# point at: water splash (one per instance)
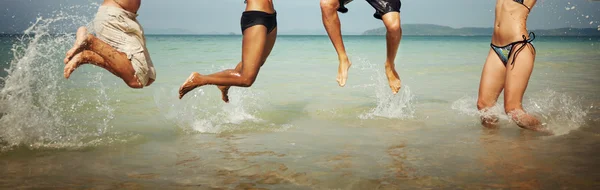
(559, 112)
(398, 106)
(206, 113)
(467, 106)
(41, 109)
(580, 14)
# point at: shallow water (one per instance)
(295, 128)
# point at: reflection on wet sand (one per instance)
(397, 167)
(510, 161)
(241, 172)
(375, 158)
(268, 169)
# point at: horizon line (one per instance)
(325, 35)
(317, 34)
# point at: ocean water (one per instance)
(294, 128)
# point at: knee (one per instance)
(394, 28)
(330, 5)
(247, 81)
(134, 84)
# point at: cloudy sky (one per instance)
(303, 16)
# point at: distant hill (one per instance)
(569, 32)
(437, 30)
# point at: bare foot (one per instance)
(190, 84)
(80, 42)
(393, 78)
(490, 121)
(343, 72)
(224, 93)
(72, 65)
(527, 121)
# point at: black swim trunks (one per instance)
(252, 18)
(382, 7)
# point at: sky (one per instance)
(303, 16)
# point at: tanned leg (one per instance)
(253, 48)
(270, 44)
(225, 89)
(112, 60)
(394, 35)
(490, 87)
(517, 79)
(331, 21)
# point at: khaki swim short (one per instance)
(120, 29)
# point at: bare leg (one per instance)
(517, 78)
(238, 68)
(490, 86)
(90, 57)
(331, 21)
(114, 61)
(225, 89)
(256, 46)
(394, 35)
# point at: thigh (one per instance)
(270, 43)
(392, 19)
(492, 79)
(253, 49)
(517, 75)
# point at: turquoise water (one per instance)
(295, 128)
